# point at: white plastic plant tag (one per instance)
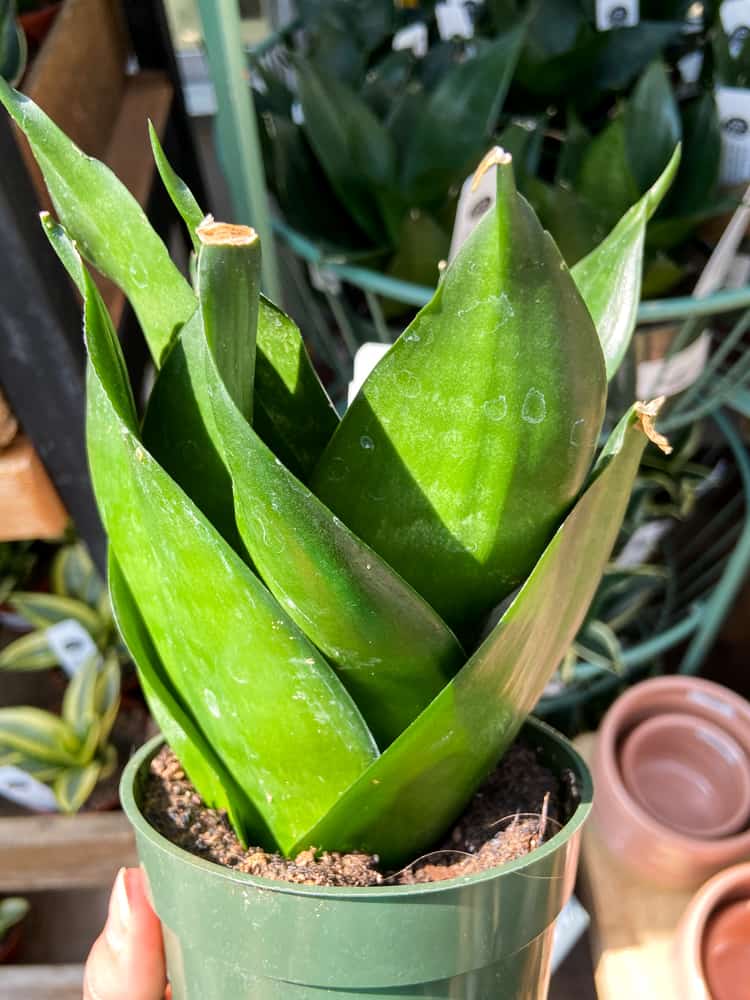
(569, 926)
(617, 14)
(21, 788)
(323, 279)
(690, 66)
(413, 37)
(365, 360)
(298, 115)
(735, 20)
(668, 376)
(472, 206)
(642, 543)
(71, 644)
(454, 20)
(734, 114)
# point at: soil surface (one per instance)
(520, 805)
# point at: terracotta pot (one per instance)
(688, 774)
(650, 849)
(712, 942)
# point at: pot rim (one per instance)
(611, 729)
(720, 740)
(143, 828)
(687, 948)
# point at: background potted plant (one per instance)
(13, 911)
(306, 598)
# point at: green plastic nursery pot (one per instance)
(232, 936)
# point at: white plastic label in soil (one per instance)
(365, 360)
(413, 37)
(617, 14)
(454, 20)
(734, 114)
(472, 206)
(71, 644)
(735, 20)
(21, 788)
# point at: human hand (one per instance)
(127, 959)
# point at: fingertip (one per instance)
(127, 959)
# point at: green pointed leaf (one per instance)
(29, 652)
(177, 431)
(73, 787)
(410, 795)
(178, 427)
(79, 701)
(441, 463)
(39, 734)
(182, 197)
(609, 278)
(108, 224)
(204, 766)
(13, 48)
(293, 413)
(576, 140)
(422, 244)
(43, 610)
(90, 742)
(39, 769)
(391, 650)
(458, 120)
(605, 178)
(13, 909)
(107, 696)
(652, 126)
(248, 654)
(228, 290)
(574, 223)
(355, 150)
(291, 410)
(73, 574)
(698, 177)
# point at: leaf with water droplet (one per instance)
(507, 358)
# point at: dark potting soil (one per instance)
(521, 804)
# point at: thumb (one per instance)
(127, 959)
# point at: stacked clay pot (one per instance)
(712, 943)
(672, 780)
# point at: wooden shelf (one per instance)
(41, 982)
(64, 852)
(632, 923)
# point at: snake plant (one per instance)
(366, 147)
(71, 752)
(13, 909)
(309, 600)
(76, 593)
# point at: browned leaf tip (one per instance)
(647, 414)
(495, 157)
